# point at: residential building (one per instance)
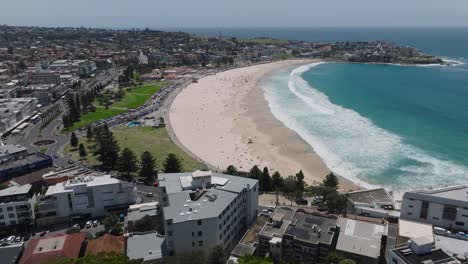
(297, 236)
(106, 243)
(17, 205)
(420, 250)
(14, 111)
(362, 241)
(10, 253)
(52, 249)
(64, 174)
(44, 77)
(203, 209)
(373, 203)
(444, 207)
(149, 247)
(144, 217)
(16, 161)
(84, 196)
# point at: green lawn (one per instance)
(263, 41)
(91, 117)
(139, 139)
(134, 98)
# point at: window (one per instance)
(13, 222)
(435, 218)
(450, 212)
(410, 213)
(169, 222)
(193, 244)
(193, 233)
(410, 206)
(1, 210)
(459, 223)
(424, 209)
(199, 222)
(11, 215)
(2, 217)
(9, 208)
(200, 243)
(464, 215)
(200, 233)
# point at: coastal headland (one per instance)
(217, 117)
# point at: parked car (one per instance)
(76, 226)
(150, 194)
(88, 224)
(301, 201)
(18, 239)
(95, 223)
(70, 162)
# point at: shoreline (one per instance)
(214, 119)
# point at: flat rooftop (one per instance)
(379, 195)
(88, 181)
(15, 190)
(410, 229)
(149, 246)
(9, 149)
(286, 215)
(72, 171)
(359, 237)
(27, 160)
(451, 245)
(435, 256)
(210, 203)
(312, 228)
(456, 195)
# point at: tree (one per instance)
(82, 151)
(112, 224)
(74, 140)
(66, 121)
(333, 258)
(290, 188)
(106, 147)
(252, 259)
(127, 163)
(266, 181)
(256, 173)
(89, 134)
(277, 182)
(231, 170)
(300, 182)
(172, 164)
(347, 261)
(331, 181)
(148, 167)
(192, 257)
(217, 255)
(336, 202)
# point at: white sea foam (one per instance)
(350, 144)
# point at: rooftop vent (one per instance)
(212, 197)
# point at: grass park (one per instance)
(134, 98)
(139, 139)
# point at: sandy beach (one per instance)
(215, 118)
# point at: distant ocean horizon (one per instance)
(402, 127)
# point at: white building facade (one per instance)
(205, 209)
(445, 207)
(90, 196)
(17, 205)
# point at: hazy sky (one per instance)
(235, 13)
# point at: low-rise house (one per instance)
(362, 241)
(106, 243)
(149, 247)
(84, 196)
(52, 249)
(144, 217)
(420, 250)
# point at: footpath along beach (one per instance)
(215, 118)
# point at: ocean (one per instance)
(402, 127)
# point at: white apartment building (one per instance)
(444, 207)
(85, 196)
(15, 110)
(204, 209)
(16, 205)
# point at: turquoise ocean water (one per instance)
(403, 127)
